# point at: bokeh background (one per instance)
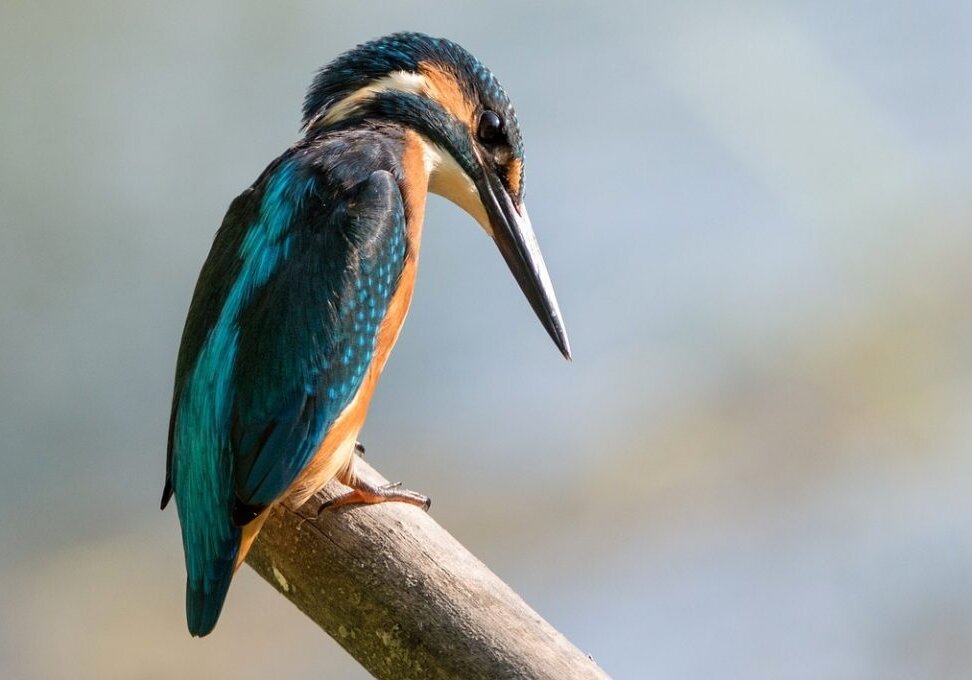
(758, 220)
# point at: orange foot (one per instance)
(365, 492)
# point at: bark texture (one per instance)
(404, 597)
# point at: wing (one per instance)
(249, 246)
(307, 337)
(221, 269)
(280, 332)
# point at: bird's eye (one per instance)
(490, 129)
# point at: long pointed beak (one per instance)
(515, 239)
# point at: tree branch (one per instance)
(404, 597)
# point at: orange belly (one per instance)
(334, 456)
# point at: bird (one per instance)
(308, 282)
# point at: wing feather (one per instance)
(308, 336)
(280, 332)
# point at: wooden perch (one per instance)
(404, 597)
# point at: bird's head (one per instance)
(472, 146)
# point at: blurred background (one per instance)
(758, 222)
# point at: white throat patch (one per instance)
(449, 180)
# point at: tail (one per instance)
(205, 596)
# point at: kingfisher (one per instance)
(308, 282)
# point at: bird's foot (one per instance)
(359, 449)
(368, 493)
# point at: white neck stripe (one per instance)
(397, 81)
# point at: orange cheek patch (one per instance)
(514, 176)
(443, 87)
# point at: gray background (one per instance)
(757, 465)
